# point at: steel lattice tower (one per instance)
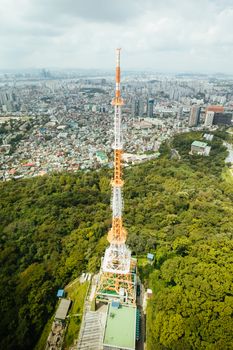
(117, 271)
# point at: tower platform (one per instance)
(120, 329)
(118, 286)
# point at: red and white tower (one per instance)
(117, 256)
(117, 271)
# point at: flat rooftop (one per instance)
(199, 144)
(120, 329)
(62, 309)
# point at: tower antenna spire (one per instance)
(117, 234)
(117, 264)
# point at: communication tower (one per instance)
(118, 269)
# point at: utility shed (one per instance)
(60, 293)
(62, 310)
(120, 329)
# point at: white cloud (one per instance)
(162, 35)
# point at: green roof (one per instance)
(101, 155)
(120, 330)
(199, 144)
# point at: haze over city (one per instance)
(168, 36)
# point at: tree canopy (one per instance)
(54, 227)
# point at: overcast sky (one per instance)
(163, 35)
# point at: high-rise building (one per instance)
(194, 117)
(137, 109)
(140, 107)
(209, 117)
(179, 116)
(150, 107)
(134, 108)
(222, 119)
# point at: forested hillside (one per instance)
(54, 227)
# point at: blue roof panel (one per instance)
(60, 293)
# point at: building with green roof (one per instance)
(199, 144)
(101, 157)
(120, 328)
(200, 148)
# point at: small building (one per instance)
(60, 293)
(150, 257)
(120, 328)
(149, 293)
(62, 310)
(208, 137)
(200, 148)
(101, 157)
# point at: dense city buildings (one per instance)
(54, 121)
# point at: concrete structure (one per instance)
(137, 109)
(200, 148)
(209, 118)
(92, 331)
(150, 108)
(208, 137)
(222, 119)
(62, 310)
(194, 117)
(120, 329)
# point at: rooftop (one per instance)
(199, 144)
(60, 293)
(120, 330)
(150, 256)
(62, 309)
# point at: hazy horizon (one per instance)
(162, 36)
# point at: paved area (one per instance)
(140, 345)
(93, 322)
(92, 331)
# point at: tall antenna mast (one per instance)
(117, 264)
(117, 256)
(117, 234)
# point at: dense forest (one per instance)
(54, 227)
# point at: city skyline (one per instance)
(170, 36)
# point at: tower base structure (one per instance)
(117, 279)
(117, 259)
